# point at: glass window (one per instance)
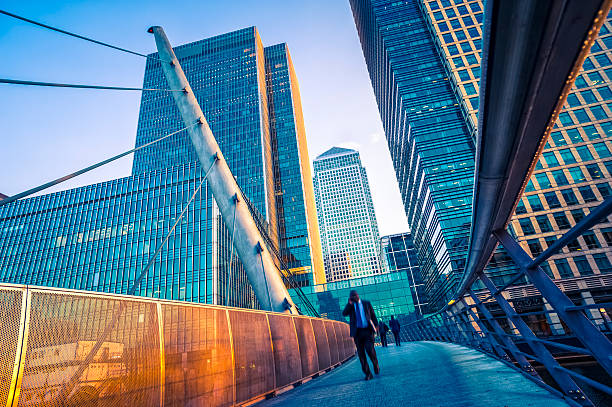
(466, 46)
(543, 180)
(594, 171)
(475, 7)
(605, 93)
(448, 38)
(520, 208)
(581, 115)
(598, 112)
(471, 59)
(602, 59)
(596, 78)
(434, 5)
(584, 153)
(558, 138)
(560, 177)
(565, 119)
(443, 27)
(588, 96)
(551, 159)
(473, 31)
(567, 156)
(607, 235)
(529, 187)
(544, 223)
(572, 100)
(591, 132)
(591, 240)
(458, 61)
(561, 219)
(563, 268)
(574, 135)
(535, 203)
(577, 214)
(587, 193)
(550, 240)
(583, 266)
(546, 267)
(475, 102)
(534, 246)
(460, 35)
(455, 22)
(588, 65)
(602, 150)
(580, 83)
(453, 50)
(604, 190)
(464, 75)
(527, 226)
(552, 199)
(603, 263)
(576, 174)
(569, 196)
(574, 246)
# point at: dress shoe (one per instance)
(369, 377)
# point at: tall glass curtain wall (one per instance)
(428, 138)
(100, 237)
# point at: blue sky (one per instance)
(46, 133)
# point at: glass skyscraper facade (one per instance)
(101, 236)
(428, 137)
(347, 221)
(400, 256)
(574, 172)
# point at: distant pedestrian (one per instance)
(382, 331)
(363, 326)
(395, 328)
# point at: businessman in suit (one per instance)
(363, 326)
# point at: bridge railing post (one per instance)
(542, 354)
(471, 320)
(493, 344)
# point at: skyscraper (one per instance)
(346, 215)
(99, 237)
(428, 137)
(574, 172)
(400, 256)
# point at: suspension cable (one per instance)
(59, 30)
(78, 86)
(84, 170)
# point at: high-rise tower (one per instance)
(428, 138)
(347, 221)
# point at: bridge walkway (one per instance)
(422, 374)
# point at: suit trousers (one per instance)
(364, 341)
(383, 339)
(397, 338)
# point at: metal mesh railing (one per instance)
(72, 348)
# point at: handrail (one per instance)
(156, 352)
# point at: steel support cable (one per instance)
(231, 258)
(69, 385)
(81, 37)
(78, 86)
(84, 170)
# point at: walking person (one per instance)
(363, 324)
(382, 331)
(395, 328)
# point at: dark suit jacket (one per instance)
(349, 311)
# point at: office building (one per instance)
(400, 256)
(349, 231)
(101, 236)
(428, 137)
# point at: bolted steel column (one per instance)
(493, 344)
(261, 271)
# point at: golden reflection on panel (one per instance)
(333, 344)
(83, 350)
(198, 357)
(10, 313)
(322, 343)
(252, 353)
(308, 346)
(86, 349)
(287, 361)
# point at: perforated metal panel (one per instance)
(322, 343)
(333, 344)
(10, 315)
(287, 361)
(87, 350)
(308, 346)
(198, 356)
(254, 362)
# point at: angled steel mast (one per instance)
(248, 241)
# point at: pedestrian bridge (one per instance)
(422, 374)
